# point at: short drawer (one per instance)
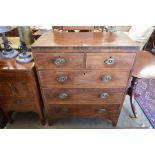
(84, 79)
(59, 60)
(110, 60)
(83, 96)
(58, 111)
(17, 104)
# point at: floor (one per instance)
(31, 121)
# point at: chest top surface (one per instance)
(85, 40)
(11, 64)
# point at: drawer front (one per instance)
(83, 96)
(84, 79)
(5, 89)
(14, 75)
(18, 104)
(110, 60)
(16, 88)
(59, 60)
(58, 111)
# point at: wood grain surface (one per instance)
(46, 60)
(122, 60)
(84, 78)
(83, 96)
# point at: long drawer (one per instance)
(18, 104)
(110, 60)
(59, 60)
(82, 96)
(84, 78)
(60, 111)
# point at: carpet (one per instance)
(144, 94)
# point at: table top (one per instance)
(11, 64)
(144, 65)
(60, 40)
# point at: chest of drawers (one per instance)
(84, 74)
(19, 90)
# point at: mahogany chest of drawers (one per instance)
(84, 74)
(19, 90)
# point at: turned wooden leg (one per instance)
(133, 107)
(130, 93)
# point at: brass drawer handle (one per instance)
(106, 78)
(102, 110)
(110, 61)
(18, 102)
(62, 78)
(60, 61)
(65, 110)
(104, 95)
(63, 96)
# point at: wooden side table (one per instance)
(19, 89)
(144, 69)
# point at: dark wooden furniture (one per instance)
(144, 69)
(80, 28)
(84, 74)
(77, 27)
(39, 33)
(19, 88)
(74, 27)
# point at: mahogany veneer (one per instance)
(84, 78)
(84, 74)
(89, 96)
(19, 89)
(44, 60)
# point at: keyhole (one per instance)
(84, 73)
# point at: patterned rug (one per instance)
(144, 94)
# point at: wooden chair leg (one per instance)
(130, 93)
(133, 107)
